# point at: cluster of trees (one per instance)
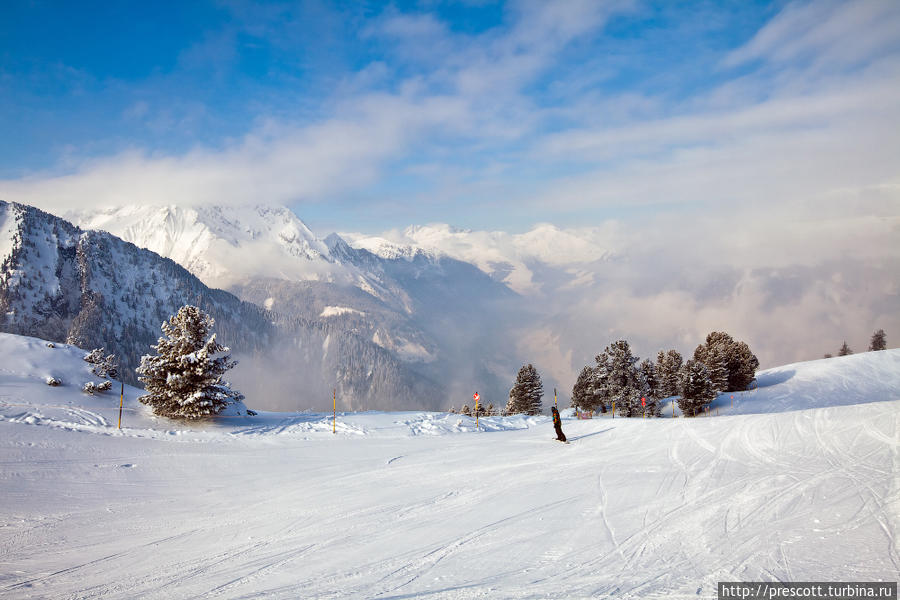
(103, 365)
(722, 364)
(878, 342)
(637, 388)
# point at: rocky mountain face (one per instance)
(92, 289)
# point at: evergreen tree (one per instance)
(696, 388)
(668, 365)
(104, 365)
(623, 382)
(742, 367)
(582, 392)
(525, 395)
(465, 410)
(845, 349)
(648, 370)
(599, 391)
(586, 393)
(879, 341)
(730, 364)
(713, 356)
(654, 407)
(185, 378)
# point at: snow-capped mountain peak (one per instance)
(214, 242)
(389, 250)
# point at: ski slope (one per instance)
(411, 505)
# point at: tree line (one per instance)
(878, 342)
(184, 380)
(637, 388)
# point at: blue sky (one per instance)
(365, 116)
(92, 81)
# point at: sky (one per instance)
(724, 142)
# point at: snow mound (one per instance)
(42, 383)
(840, 381)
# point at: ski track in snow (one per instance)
(645, 508)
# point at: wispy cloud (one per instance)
(828, 33)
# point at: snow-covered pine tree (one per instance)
(717, 368)
(465, 410)
(104, 365)
(526, 393)
(582, 396)
(879, 341)
(741, 368)
(845, 349)
(654, 406)
(648, 370)
(668, 364)
(731, 364)
(624, 382)
(184, 380)
(695, 387)
(600, 389)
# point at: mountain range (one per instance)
(413, 328)
(93, 289)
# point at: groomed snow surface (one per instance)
(423, 505)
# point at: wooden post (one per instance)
(614, 409)
(121, 402)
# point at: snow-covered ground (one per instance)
(408, 505)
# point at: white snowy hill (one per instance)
(404, 505)
(838, 381)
